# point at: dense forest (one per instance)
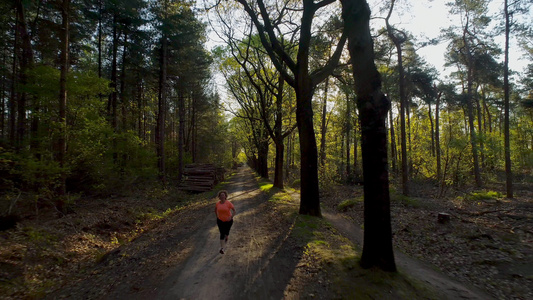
(98, 95)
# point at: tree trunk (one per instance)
(62, 139)
(309, 195)
(26, 63)
(373, 107)
(160, 126)
(481, 132)
(470, 108)
(112, 104)
(278, 135)
(262, 156)
(323, 127)
(181, 127)
(100, 12)
(355, 154)
(403, 101)
(348, 131)
(507, 142)
(4, 92)
(394, 152)
(437, 136)
(432, 129)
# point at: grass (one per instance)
(349, 203)
(405, 200)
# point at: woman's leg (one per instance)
(224, 232)
(221, 229)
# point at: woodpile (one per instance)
(200, 177)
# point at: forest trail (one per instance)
(180, 259)
(447, 287)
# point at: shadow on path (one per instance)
(447, 287)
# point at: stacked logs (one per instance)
(200, 177)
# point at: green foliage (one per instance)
(483, 195)
(265, 186)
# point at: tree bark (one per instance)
(398, 41)
(323, 127)
(26, 63)
(161, 111)
(348, 131)
(62, 139)
(373, 107)
(393, 143)
(12, 106)
(3, 99)
(181, 127)
(470, 107)
(507, 142)
(304, 84)
(437, 136)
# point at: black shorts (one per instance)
(224, 228)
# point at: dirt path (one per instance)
(446, 286)
(179, 259)
(206, 274)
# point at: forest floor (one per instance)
(154, 244)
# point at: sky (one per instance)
(427, 18)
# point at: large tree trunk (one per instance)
(262, 156)
(310, 201)
(507, 142)
(278, 135)
(373, 107)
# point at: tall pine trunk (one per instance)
(398, 41)
(437, 136)
(161, 110)
(470, 107)
(507, 142)
(323, 127)
(393, 144)
(181, 127)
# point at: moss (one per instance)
(349, 203)
(483, 195)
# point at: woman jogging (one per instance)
(225, 212)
